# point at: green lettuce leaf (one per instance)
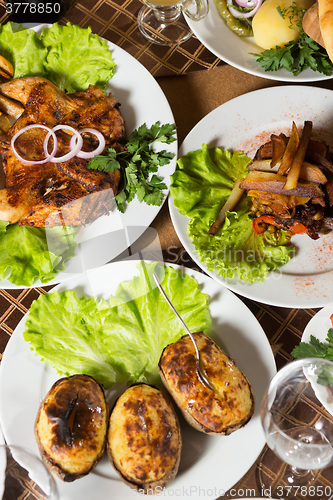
(69, 56)
(76, 58)
(200, 186)
(119, 340)
(29, 253)
(23, 49)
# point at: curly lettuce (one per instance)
(29, 253)
(76, 57)
(69, 56)
(200, 187)
(119, 340)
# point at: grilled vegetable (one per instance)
(218, 412)
(71, 426)
(144, 440)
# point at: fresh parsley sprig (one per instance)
(317, 349)
(295, 55)
(137, 162)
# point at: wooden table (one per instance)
(195, 82)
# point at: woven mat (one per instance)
(115, 20)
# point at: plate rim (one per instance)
(176, 217)
(269, 365)
(131, 237)
(269, 75)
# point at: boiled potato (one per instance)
(270, 28)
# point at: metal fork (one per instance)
(200, 368)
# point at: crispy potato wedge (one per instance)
(296, 165)
(9, 106)
(279, 144)
(309, 172)
(290, 151)
(144, 439)
(234, 198)
(71, 426)
(217, 412)
(6, 68)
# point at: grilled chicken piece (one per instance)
(64, 193)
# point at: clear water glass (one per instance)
(297, 418)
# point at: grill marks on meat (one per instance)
(58, 193)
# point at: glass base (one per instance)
(286, 481)
(162, 33)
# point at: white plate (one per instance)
(209, 465)
(142, 101)
(243, 124)
(318, 326)
(214, 34)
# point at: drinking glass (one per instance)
(296, 415)
(23, 475)
(162, 21)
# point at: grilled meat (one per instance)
(57, 193)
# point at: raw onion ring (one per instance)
(246, 3)
(48, 157)
(74, 149)
(243, 15)
(89, 154)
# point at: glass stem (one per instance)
(167, 15)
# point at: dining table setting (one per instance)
(203, 94)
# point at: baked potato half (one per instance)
(71, 426)
(144, 439)
(220, 411)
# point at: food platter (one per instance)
(210, 465)
(214, 34)
(243, 124)
(142, 101)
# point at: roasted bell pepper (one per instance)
(295, 227)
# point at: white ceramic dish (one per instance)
(142, 101)
(209, 465)
(243, 124)
(318, 326)
(214, 34)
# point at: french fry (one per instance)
(290, 151)
(309, 172)
(234, 198)
(294, 171)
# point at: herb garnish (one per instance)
(317, 349)
(295, 55)
(137, 162)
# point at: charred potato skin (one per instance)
(71, 426)
(144, 438)
(219, 412)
